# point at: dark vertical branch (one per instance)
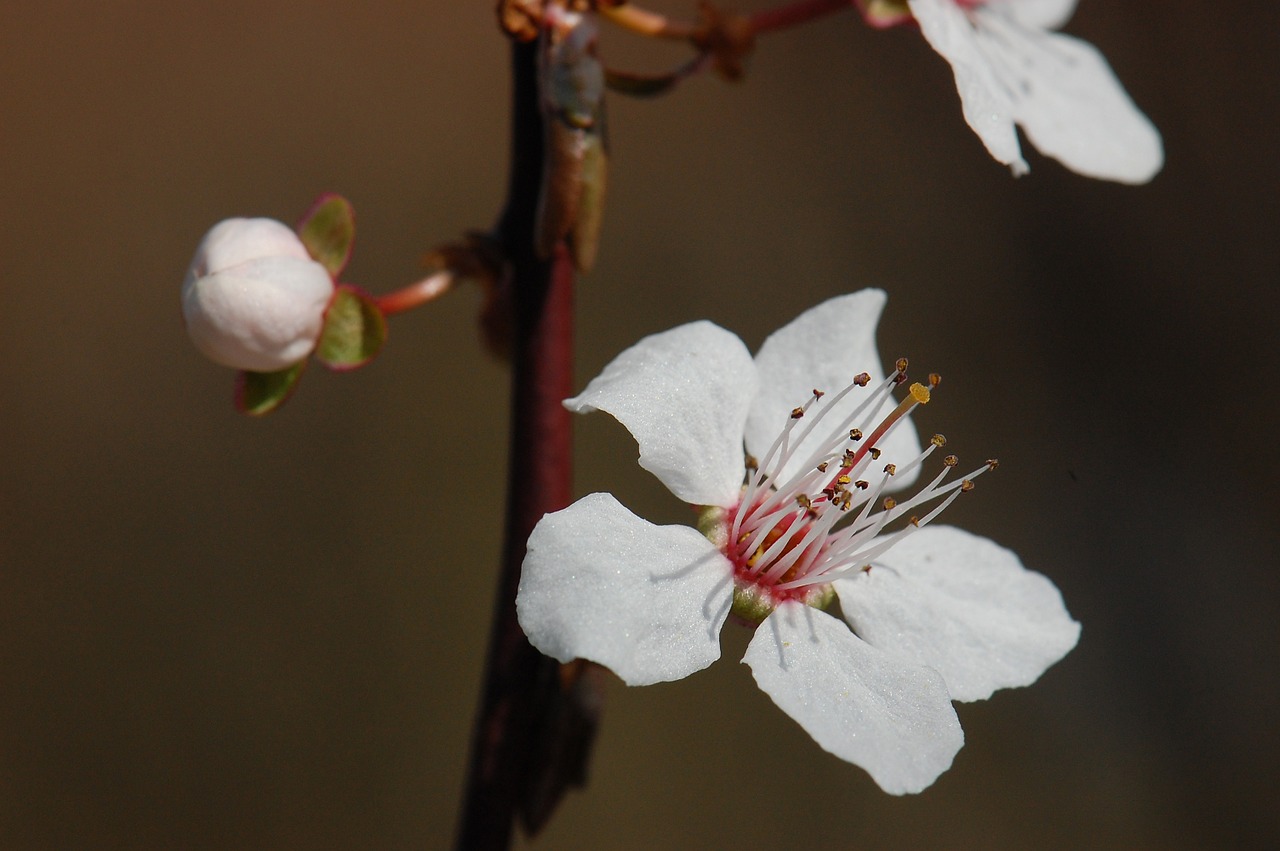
(531, 735)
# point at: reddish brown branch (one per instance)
(535, 724)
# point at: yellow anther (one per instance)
(939, 441)
(920, 393)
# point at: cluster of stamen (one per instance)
(789, 538)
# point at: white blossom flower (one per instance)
(253, 298)
(1010, 68)
(930, 614)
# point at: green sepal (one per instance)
(328, 230)
(354, 330)
(259, 393)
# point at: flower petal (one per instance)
(962, 605)
(684, 395)
(646, 601)
(1044, 14)
(1060, 90)
(1073, 108)
(871, 708)
(987, 105)
(824, 348)
(261, 315)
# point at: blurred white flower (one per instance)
(1011, 69)
(253, 298)
(931, 614)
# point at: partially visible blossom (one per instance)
(1010, 68)
(930, 614)
(253, 298)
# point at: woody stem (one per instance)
(533, 729)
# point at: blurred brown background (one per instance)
(224, 633)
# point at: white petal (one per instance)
(263, 314)
(985, 99)
(645, 601)
(1044, 14)
(964, 606)
(684, 395)
(1009, 70)
(234, 241)
(824, 348)
(1072, 107)
(873, 709)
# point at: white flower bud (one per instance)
(253, 298)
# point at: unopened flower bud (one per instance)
(253, 298)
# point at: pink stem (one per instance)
(415, 295)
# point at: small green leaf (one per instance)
(259, 393)
(354, 330)
(328, 230)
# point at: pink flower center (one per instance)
(797, 528)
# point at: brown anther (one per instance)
(829, 492)
(900, 379)
(822, 468)
(862, 484)
(889, 503)
(901, 364)
(866, 568)
(818, 394)
(992, 463)
(855, 434)
(891, 468)
(950, 461)
(803, 501)
(849, 458)
(862, 379)
(966, 486)
(843, 480)
(753, 463)
(934, 379)
(915, 520)
(797, 413)
(846, 501)
(875, 453)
